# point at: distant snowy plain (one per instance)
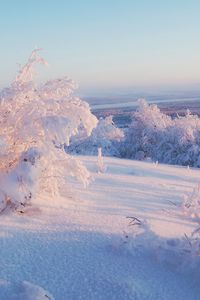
(81, 246)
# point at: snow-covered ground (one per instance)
(81, 247)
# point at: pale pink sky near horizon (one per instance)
(105, 45)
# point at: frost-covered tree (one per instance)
(105, 136)
(156, 135)
(35, 123)
(144, 132)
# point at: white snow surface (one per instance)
(22, 291)
(74, 247)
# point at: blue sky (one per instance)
(105, 44)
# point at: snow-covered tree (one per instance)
(35, 123)
(105, 136)
(143, 134)
(156, 135)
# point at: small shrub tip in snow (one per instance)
(100, 162)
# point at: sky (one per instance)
(105, 44)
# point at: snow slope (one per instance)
(75, 247)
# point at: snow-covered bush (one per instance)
(36, 122)
(154, 134)
(105, 136)
(188, 245)
(190, 208)
(179, 252)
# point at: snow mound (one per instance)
(22, 291)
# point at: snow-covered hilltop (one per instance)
(82, 247)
